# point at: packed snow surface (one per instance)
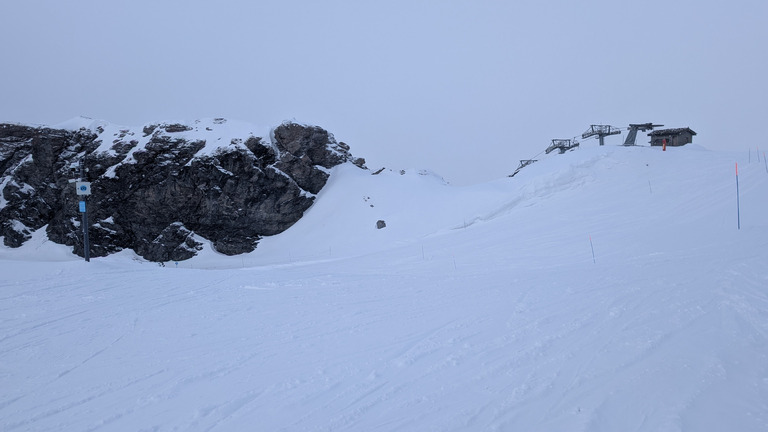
(480, 308)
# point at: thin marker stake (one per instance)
(738, 207)
(766, 162)
(593, 249)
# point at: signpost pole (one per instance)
(86, 244)
(84, 189)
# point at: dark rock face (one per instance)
(156, 191)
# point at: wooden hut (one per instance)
(673, 137)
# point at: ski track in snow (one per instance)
(502, 324)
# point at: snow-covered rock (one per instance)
(158, 187)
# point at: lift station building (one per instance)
(673, 137)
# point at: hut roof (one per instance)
(675, 131)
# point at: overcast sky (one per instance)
(465, 88)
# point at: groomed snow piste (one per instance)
(477, 308)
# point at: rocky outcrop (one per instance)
(162, 189)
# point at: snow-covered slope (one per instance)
(476, 308)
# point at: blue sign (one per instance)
(82, 206)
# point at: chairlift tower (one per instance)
(523, 163)
(563, 145)
(600, 131)
(633, 128)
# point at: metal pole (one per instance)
(738, 206)
(86, 245)
(765, 161)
